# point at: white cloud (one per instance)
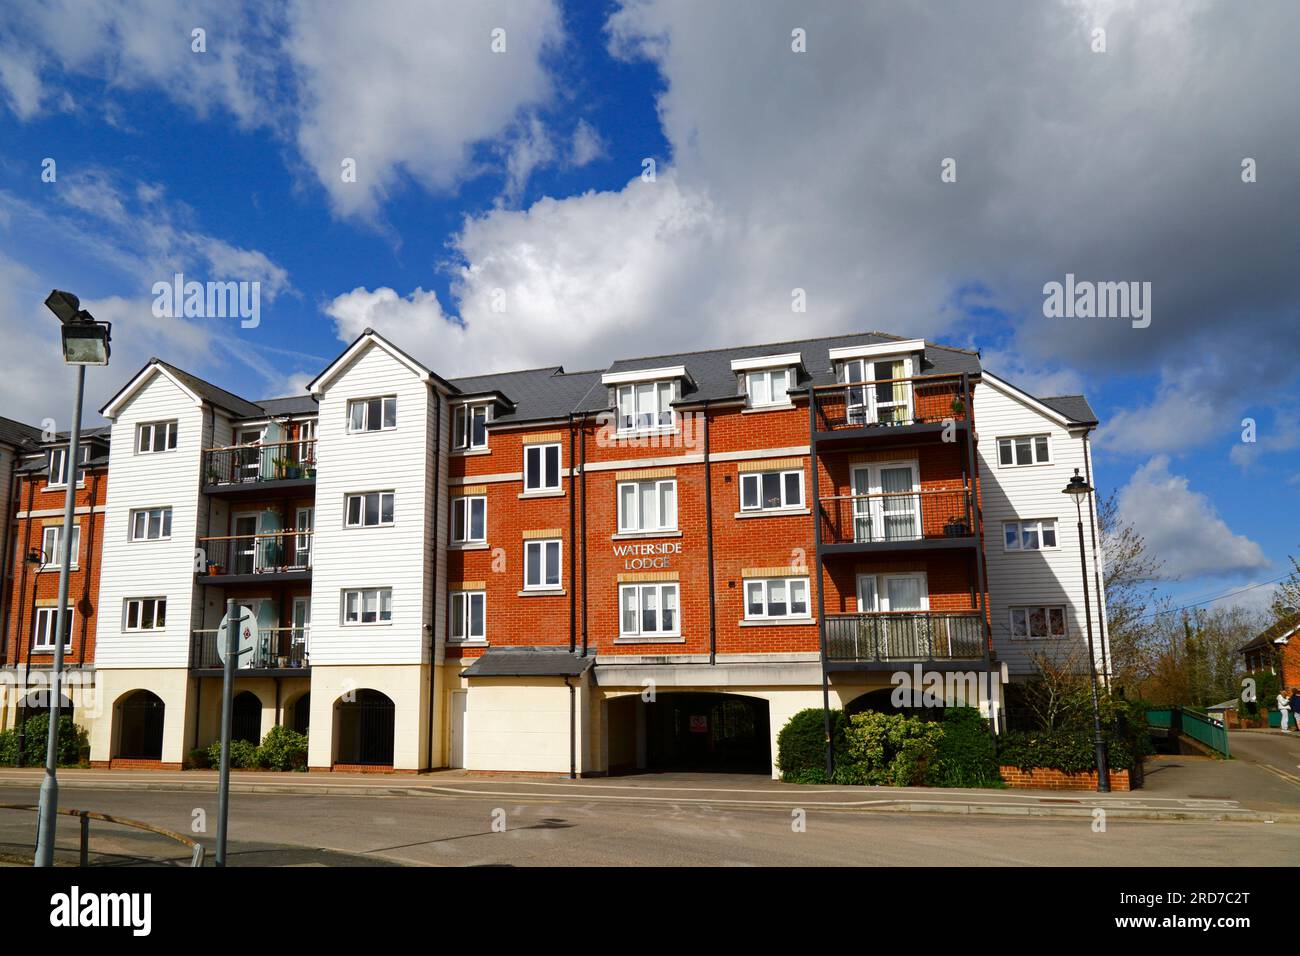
(1182, 527)
(587, 144)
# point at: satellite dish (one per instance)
(247, 637)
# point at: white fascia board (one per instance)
(905, 346)
(643, 375)
(1006, 388)
(365, 341)
(766, 361)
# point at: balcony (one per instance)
(877, 641)
(278, 649)
(257, 469)
(894, 410)
(898, 521)
(282, 556)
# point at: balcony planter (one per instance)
(956, 529)
(214, 569)
(282, 662)
(213, 477)
(958, 407)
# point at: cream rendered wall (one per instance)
(406, 685)
(522, 725)
(171, 684)
(1027, 492)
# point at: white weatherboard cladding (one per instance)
(378, 557)
(151, 568)
(1028, 492)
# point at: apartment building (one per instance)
(649, 565)
(35, 499)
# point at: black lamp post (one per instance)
(85, 342)
(1079, 489)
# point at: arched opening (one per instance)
(690, 731)
(300, 713)
(881, 701)
(246, 717)
(140, 726)
(365, 729)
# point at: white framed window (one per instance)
(768, 387)
(469, 427)
(771, 490)
(153, 437)
(884, 396)
(1038, 622)
(51, 546)
(541, 467)
(469, 519)
(43, 629)
(145, 614)
(151, 524)
(770, 598)
(1036, 535)
(468, 616)
(893, 592)
(369, 509)
(368, 606)
(372, 414)
(647, 505)
(648, 610)
(1024, 450)
(645, 406)
(58, 477)
(542, 564)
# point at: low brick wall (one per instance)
(132, 763)
(1046, 778)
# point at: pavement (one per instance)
(654, 820)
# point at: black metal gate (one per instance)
(140, 736)
(246, 718)
(302, 713)
(366, 729)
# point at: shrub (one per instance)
(1070, 751)
(801, 745)
(283, 749)
(965, 755)
(74, 742)
(243, 755)
(197, 759)
(888, 750)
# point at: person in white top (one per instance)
(1283, 707)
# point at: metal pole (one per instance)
(47, 818)
(227, 706)
(1099, 741)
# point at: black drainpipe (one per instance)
(708, 525)
(573, 552)
(583, 484)
(1102, 626)
(437, 558)
(5, 571)
(573, 729)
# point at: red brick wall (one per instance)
(1044, 778)
(27, 585)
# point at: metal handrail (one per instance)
(260, 534)
(297, 443)
(197, 851)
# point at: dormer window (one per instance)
(766, 380)
(879, 376)
(469, 431)
(59, 465)
(645, 406)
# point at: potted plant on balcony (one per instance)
(286, 468)
(214, 568)
(958, 407)
(309, 468)
(213, 476)
(956, 528)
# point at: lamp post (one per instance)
(1078, 489)
(85, 342)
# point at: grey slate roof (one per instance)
(537, 394)
(528, 662)
(1073, 407)
(17, 434)
(713, 378)
(213, 393)
(289, 405)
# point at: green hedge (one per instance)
(1071, 751)
(281, 749)
(966, 755)
(801, 745)
(74, 742)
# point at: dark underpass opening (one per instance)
(690, 731)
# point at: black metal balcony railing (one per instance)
(277, 648)
(273, 553)
(891, 403)
(905, 636)
(897, 516)
(248, 464)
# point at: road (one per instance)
(1275, 752)
(458, 830)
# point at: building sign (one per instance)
(648, 557)
(699, 724)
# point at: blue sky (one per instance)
(521, 171)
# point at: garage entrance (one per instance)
(725, 733)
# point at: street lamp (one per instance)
(85, 342)
(1079, 489)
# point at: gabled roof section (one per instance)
(540, 394)
(1065, 410)
(369, 338)
(714, 379)
(17, 434)
(198, 390)
(1282, 630)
